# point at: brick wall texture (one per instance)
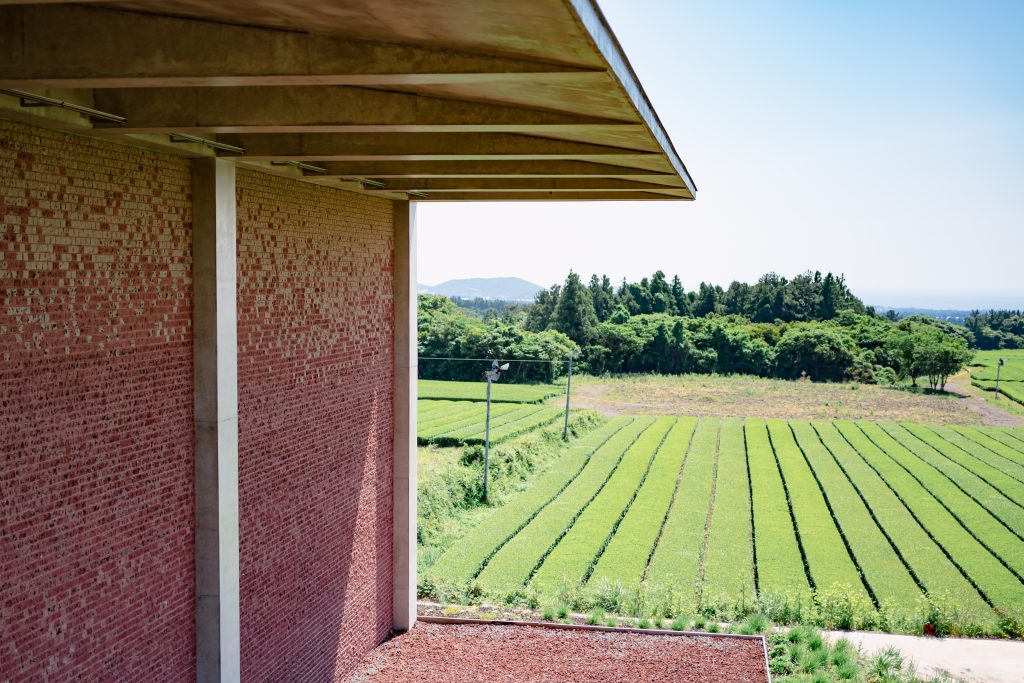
(96, 523)
(315, 385)
(96, 562)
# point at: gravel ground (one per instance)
(453, 653)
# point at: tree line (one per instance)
(810, 326)
(808, 296)
(1003, 329)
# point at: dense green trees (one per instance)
(445, 332)
(814, 351)
(574, 313)
(996, 329)
(808, 326)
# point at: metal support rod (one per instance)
(32, 100)
(568, 392)
(212, 144)
(487, 439)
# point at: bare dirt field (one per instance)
(715, 396)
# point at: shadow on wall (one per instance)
(315, 430)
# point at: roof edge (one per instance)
(596, 27)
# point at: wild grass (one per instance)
(757, 397)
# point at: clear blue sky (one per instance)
(883, 140)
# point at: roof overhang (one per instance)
(433, 100)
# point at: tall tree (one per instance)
(828, 298)
(707, 300)
(679, 296)
(574, 314)
(603, 295)
(539, 317)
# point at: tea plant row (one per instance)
(706, 510)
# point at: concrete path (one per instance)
(965, 659)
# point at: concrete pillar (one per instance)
(214, 329)
(404, 590)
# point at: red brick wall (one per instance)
(315, 379)
(96, 532)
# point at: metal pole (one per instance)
(568, 391)
(999, 367)
(487, 439)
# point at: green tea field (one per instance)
(1011, 375)
(455, 423)
(715, 511)
(477, 391)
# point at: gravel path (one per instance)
(484, 652)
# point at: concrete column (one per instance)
(214, 329)
(404, 590)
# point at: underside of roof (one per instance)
(429, 100)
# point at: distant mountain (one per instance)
(506, 288)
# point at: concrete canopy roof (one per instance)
(430, 100)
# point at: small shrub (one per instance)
(757, 623)
(713, 627)
(644, 623)
(549, 614)
(779, 662)
(887, 665)
(1011, 625)
(595, 617)
(515, 597)
(814, 660)
(563, 611)
(843, 653)
(679, 624)
(847, 671)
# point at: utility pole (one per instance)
(568, 391)
(487, 439)
(999, 367)
(491, 375)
